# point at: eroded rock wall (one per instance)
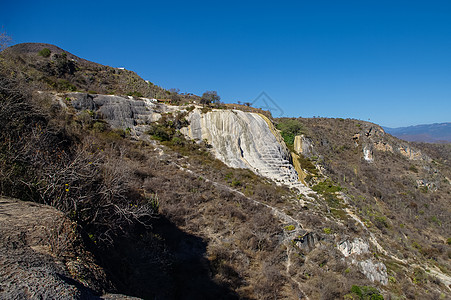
(239, 139)
(121, 112)
(244, 140)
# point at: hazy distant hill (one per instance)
(430, 133)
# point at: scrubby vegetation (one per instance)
(365, 293)
(386, 192)
(45, 52)
(165, 219)
(48, 67)
(289, 128)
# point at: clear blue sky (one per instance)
(387, 61)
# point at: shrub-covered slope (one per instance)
(47, 67)
(400, 190)
(164, 219)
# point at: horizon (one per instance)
(418, 125)
(380, 62)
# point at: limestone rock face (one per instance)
(383, 146)
(375, 271)
(357, 247)
(411, 153)
(308, 241)
(239, 139)
(355, 252)
(373, 139)
(368, 154)
(303, 145)
(244, 140)
(121, 112)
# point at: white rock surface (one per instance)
(244, 140)
(368, 154)
(375, 271)
(121, 112)
(239, 139)
(303, 145)
(357, 247)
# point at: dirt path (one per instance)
(286, 219)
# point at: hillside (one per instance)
(48, 67)
(429, 133)
(190, 202)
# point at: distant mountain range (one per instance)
(429, 133)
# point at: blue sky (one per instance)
(384, 61)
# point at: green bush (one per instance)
(64, 85)
(135, 94)
(306, 164)
(290, 228)
(235, 183)
(289, 128)
(366, 292)
(327, 230)
(99, 126)
(326, 187)
(435, 220)
(204, 110)
(45, 52)
(413, 169)
(160, 132)
(381, 221)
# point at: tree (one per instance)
(45, 52)
(210, 97)
(5, 40)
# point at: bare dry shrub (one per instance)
(332, 286)
(61, 236)
(268, 285)
(5, 40)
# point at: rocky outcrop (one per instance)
(303, 145)
(373, 139)
(410, 153)
(245, 140)
(38, 256)
(120, 112)
(355, 247)
(375, 271)
(382, 146)
(239, 139)
(308, 241)
(368, 154)
(356, 253)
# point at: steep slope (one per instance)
(60, 70)
(395, 189)
(245, 140)
(166, 219)
(239, 139)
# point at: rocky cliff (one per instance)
(245, 140)
(250, 141)
(239, 139)
(187, 225)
